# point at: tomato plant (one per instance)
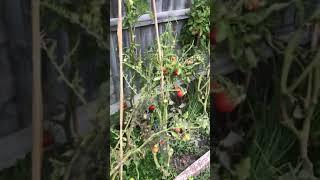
(198, 25)
(159, 117)
(246, 30)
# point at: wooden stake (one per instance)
(119, 33)
(36, 93)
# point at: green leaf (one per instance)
(223, 29)
(157, 78)
(175, 135)
(315, 15)
(252, 59)
(186, 115)
(256, 18)
(250, 38)
(68, 153)
(243, 169)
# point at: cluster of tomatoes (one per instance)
(176, 72)
(184, 136)
(179, 94)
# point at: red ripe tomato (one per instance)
(47, 139)
(176, 72)
(152, 108)
(223, 102)
(165, 71)
(253, 5)
(213, 37)
(177, 130)
(179, 93)
(125, 105)
(162, 142)
(155, 148)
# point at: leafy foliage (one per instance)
(243, 30)
(198, 26)
(86, 15)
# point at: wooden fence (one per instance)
(168, 11)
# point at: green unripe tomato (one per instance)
(186, 137)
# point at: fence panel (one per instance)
(167, 10)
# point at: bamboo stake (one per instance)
(159, 47)
(119, 34)
(37, 94)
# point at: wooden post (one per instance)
(36, 93)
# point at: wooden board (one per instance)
(194, 169)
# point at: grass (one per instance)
(21, 170)
(269, 147)
(143, 170)
(272, 147)
(315, 139)
(204, 175)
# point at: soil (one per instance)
(180, 163)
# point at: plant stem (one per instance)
(287, 121)
(62, 75)
(159, 48)
(166, 173)
(305, 72)
(309, 89)
(130, 153)
(312, 71)
(294, 42)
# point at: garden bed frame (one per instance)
(195, 168)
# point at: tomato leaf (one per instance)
(252, 59)
(223, 29)
(254, 18)
(175, 135)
